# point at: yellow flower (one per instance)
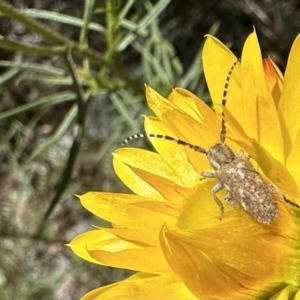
(170, 231)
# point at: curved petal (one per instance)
(201, 211)
(258, 102)
(126, 210)
(293, 161)
(274, 79)
(172, 153)
(107, 249)
(276, 172)
(289, 105)
(78, 246)
(145, 160)
(143, 286)
(157, 103)
(146, 172)
(171, 192)
(183, 160)
(191, 105)
(127, 175)
(217, 60)
(140, 236)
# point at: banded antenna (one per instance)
(165, 137)
(224, 100)
(181, 142)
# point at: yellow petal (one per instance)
(201, 211)
(194, 122)
(157, 103)
(293, 161)
(143, 286)
(192, 131)
(78, 245)
(173, 154)
(126, 210)
(258, 102)
(146, 172)
(184, 161)
(276, 172)
(217, 60)
(145, 160)
(171, 192)
(274, 79)
(110, 250)
(142, 236)
(136, 156)
(186, 123)
(289, 104)
(190, 104)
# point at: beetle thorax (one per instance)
(219, 155)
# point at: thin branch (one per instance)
(74, 151)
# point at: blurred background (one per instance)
(72, 76)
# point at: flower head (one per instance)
(170, 231)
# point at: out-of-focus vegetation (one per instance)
(72, 76)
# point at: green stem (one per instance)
(40, 50)
(87, 15)
(67, 173)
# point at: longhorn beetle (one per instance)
(235, 173)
